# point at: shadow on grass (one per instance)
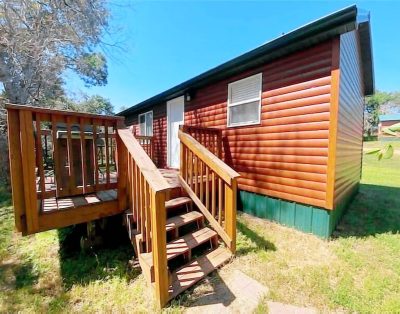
(260, 242)
(110, 259)
(218, 293)
(375, 210)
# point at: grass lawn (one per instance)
(358, 270)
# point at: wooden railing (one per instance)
(146, 192)
(55, 153)
(212, 185)
(211, 138)
(147, 143)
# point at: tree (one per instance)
(372, 110)
(96, 104)
(41, 39)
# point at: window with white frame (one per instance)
(244, 101)
(146, 123)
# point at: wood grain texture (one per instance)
(291, 141)
(16, 174)
(286, 155)
(350, 119)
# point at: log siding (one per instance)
(286, 155)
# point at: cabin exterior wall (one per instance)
(285, 156)
(284, 161)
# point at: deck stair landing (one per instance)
(193, 249)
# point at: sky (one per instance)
(164, 43)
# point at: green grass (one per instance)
(358, 270)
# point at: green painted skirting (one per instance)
(310, 219)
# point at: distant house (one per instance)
(386, 120)
(291, 115)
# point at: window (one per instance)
(244, 101)
(146, 123)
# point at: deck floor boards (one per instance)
(55, 204)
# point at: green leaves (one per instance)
(383, 153)
(92, 68)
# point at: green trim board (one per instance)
(306, 218)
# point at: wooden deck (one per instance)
(56, 204)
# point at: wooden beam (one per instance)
(122, 171)
(75, 116)
(77, 215)
(28, 170)
(230, 213)
(159, 247)
(17, 178)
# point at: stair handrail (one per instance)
(143, 186)
(194, 156)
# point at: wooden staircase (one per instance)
(193, 249)
(182, 225)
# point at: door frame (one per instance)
(180, 99)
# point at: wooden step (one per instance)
(182, 245)
(196, 270)
(184, 219)
(189, 241)
(177, 202)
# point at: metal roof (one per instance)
(389, 117)
(332, 25)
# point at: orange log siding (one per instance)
(286, 155)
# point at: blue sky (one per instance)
(168, 42)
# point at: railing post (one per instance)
(17, 183)
(230, 212)
(122, 169)
(159, 247)
(28, 170)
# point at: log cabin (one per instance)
(291, 117)
(276, 132)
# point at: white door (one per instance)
(175, 114)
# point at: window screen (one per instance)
(244, 101)
(146, 123)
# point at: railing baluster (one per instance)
(196, 175)
(39, 156)
(220, 197)
(95, 156)
(107, 154)
(201, 181)
(207, 188)
(190, 169)
(213, 198)
(83, 154)
(147, 209)
(71, 170)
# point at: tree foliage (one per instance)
(379, 103)
(95, 104)
(40, 39)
